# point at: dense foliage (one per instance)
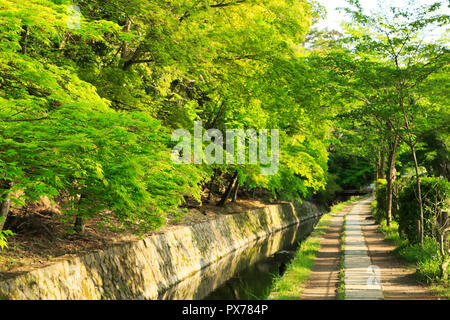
(88, 106)
(87, 109)
(435, 194)
(432, 257)
(380, 198)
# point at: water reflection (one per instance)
(247, 273)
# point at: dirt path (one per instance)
(324, 279)
(397, 280)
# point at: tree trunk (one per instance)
(390, 178)
(24, 39)
(211, 184)
(5, 206)
(126, 28)
(217, 116)
(444, 266)
(80, 223)
(235, 192)
(5, 203)
(419, 194)
(227, 193)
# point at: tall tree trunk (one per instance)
(217, 116)
(5, 202)
(235, 191)
(126, 28)
(227, 193)
(211, 184)
(390, 178)
(24, 39)
(419, 194)
(4, 209)
(80, 223)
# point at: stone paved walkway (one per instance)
(372, 271)
(362, 279)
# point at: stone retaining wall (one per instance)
(146, 268)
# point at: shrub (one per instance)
(380, 196)
(397, 186)
(429, 270)
(391, 232)
(415, 253)
(427, 259)
(435, 191)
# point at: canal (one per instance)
(247, 273)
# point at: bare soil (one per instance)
(324, 278)
(397, 279)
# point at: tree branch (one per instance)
(26, 120)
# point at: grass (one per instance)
(341, 287)
(391, 233)
(424, 260)
(441, 290)
(291, 285)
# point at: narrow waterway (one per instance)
(248, 272)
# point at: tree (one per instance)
(385, 68)
(85, 114)
(59, 137)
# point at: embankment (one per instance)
(146, 268)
